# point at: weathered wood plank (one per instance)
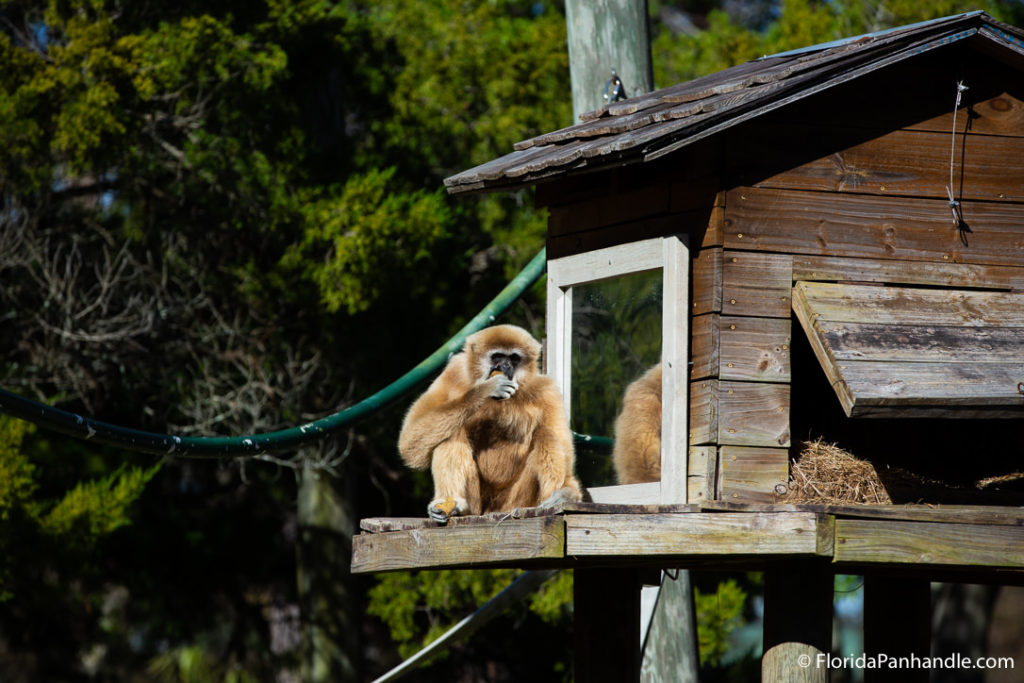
(514, 540)
(923, 343)
(739, 413)
(699, 534)
(899, 163)
(832, 303)
(754, 349)
(928, 543)
(930, 348)
(753, 414)
(703, 412)
(948, 514)
(959, 275)
(707, 281)
(756, 284)
(904, 228)
(704, 346)
(752, 474)
(385, 524)
(934, 384)
(702, 479)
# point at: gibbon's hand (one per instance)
(502, 387)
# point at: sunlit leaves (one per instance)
(363, 238)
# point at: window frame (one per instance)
(671, 255)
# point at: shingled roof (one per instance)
(649, 126)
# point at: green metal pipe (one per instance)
(270, 442)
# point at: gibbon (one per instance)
(492, 430)
(637, 451)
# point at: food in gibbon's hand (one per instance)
(492, 430)
(637, 452)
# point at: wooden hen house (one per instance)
(840, 236)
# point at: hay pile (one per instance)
(825, 473)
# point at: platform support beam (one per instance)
(606, 622)
(797, 622)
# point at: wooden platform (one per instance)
(976, 539)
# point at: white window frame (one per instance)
(671, 255)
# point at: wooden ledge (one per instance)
(919, 537)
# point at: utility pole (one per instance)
(605, 35)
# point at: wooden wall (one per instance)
(849, 185)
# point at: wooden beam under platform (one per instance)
(920, 539)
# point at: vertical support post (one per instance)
(606, 621)
(797, 622)
(670, 649)
(897, 623)
(605, 35)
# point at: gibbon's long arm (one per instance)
(441, 411)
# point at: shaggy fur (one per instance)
(488, 453)
(637, 453)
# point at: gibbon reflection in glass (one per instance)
(637, 453)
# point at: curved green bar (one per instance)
(241, 446)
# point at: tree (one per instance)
(204, 207)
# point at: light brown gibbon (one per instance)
(492, 430)
(637, 452)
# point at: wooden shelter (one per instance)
(840, 236)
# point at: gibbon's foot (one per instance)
(440, 509)
(560, 497)
(503, 387)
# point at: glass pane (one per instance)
(616, 337)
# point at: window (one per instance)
(612, 313)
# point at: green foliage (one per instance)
(553, 602)
(73, 525)
(94, 509)
(718, 614)
(17, 483)
(418, 607)
(357, 241)
(194, 664)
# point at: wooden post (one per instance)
(605, 35)
(606, 625)
(797, 622)
(670, 650)
(897, 623)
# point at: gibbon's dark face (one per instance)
(505, 362)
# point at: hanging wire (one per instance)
(954, 204)
(125, 438)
